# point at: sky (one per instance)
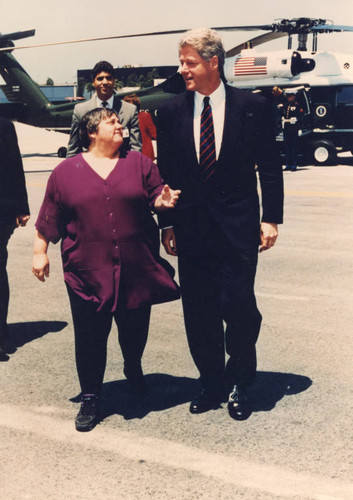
(75, 19)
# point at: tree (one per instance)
(89, 87)
(132, 80)
(49, 81)
(153, 74)
(118, 85)
(147, 81)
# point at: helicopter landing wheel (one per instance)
(323, 153)
(62, 152)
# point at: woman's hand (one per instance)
(40, 266)
(167, 199)
(40, 262)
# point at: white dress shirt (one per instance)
(218, 104)
(109, 101)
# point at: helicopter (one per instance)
(28, 104)
(323, 81)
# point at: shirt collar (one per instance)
(216, 98)
(109, 101)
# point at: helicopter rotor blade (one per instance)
(134, 35)
(276, 30)
(266, 27)
(260, 27)
(327, 28)
(258, 40)
(113, 37)
(17, 35)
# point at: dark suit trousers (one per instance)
(92, 329)
(6, 230)
(217, 287)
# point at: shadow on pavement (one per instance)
(341, 160)
(20, 334)
(271, 387)
(166, 391)
(345, 161)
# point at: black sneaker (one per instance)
(88, 416)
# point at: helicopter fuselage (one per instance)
(253, 69)
(325, 87)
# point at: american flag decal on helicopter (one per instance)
(250, 65)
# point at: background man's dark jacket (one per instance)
(13, 195)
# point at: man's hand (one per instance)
(21, 220)
(168, 241)
(268, 235)
(167, 199)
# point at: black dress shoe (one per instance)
(204, 402)
(238, 405)
(88, 416)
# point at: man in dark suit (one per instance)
(209, 149)
(103, 82)
(14, 211)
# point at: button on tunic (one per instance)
(108, 234)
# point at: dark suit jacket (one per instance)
(128, 117)
(230, 199)
(13, 195)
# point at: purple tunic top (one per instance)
(108, 235)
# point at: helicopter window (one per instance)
(345, 95)
(324, 94)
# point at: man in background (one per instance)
(292, 115)
(14, 212)
(103, 82)
(147, 127)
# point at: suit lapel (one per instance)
(117, 104)
(86, 106)
(232, 124)
(187, 129)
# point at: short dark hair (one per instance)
(102, 66)
(90, 122)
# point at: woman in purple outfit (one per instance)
(99, 205)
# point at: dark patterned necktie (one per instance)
(104, 104)
(207, 142)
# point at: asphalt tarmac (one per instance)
(298, 442)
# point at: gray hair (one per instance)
(90, 122)
(207, 43)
